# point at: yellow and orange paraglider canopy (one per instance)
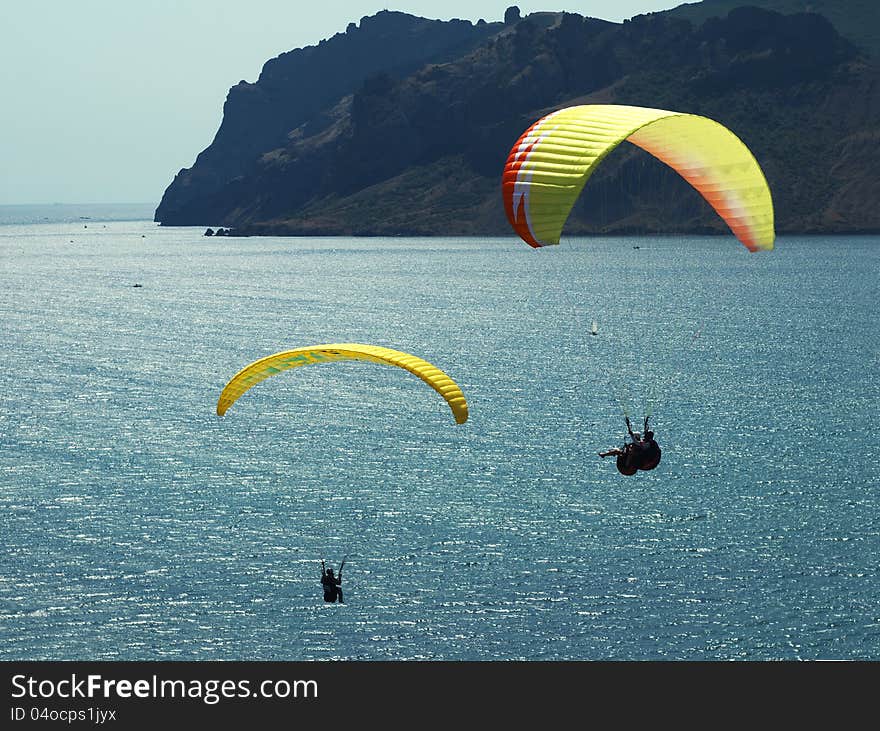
(261, 369)
(549, 165)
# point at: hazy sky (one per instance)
(103, 101)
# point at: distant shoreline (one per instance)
(234, 233)
(29, 214)
(32, 213)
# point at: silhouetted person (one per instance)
(331, 584)
(650, 451)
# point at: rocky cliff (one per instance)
(402, 125)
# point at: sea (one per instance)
(137, 524)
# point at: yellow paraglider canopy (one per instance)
(261, 369)
(553, 159)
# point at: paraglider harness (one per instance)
(332, 584)
(637, 455)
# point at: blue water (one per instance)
(136, 524)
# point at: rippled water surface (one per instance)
(137, 524)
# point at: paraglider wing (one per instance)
(551, 162)
(261, 369)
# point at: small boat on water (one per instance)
(594, 328)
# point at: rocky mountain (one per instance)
(402, 125)
(299, 90)
(856, 20)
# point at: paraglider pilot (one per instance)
(331, 584)
(640, 454)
